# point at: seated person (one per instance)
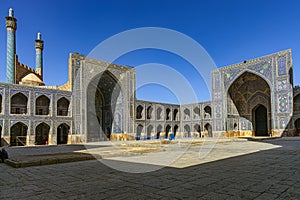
(3, 154)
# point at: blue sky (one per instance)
(230, 30)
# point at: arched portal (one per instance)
(175, 112)
(158, 113)
(245, 95)
(175, 129)
(260, 120)
(149, 131)
(18, 133)
(297, 126)
(168, 128)
(62, 133)
(158, 131)
(103, 94)
(63, 106)
(187, 114)
(168, 111)
(149, 112)
(42, 105)
(197, 129)
(18, 104)
(207, 112)
(42, 134)
(187, 131)
(208, 128)
(139, 112)
(139, 131)
(196, 112)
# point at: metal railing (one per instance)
(21, 139)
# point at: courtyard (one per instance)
(233, 169)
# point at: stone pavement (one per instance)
(233, 170)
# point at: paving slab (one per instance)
(256, 170)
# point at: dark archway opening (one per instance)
(175, 129)
(18, 133)
(103, 94)
(149, 112)
(42, 105)
(168, 128)
(158, 113)
(261, 120)
(175, 112)
(18, 104)
(63, 107)
(207, 112)
(245, 95)
(198, 129)
(196, 112)
(139, 112)
(187, 131)
(149, 131)
(187, 114)
(208, 128)
(62, 133)
(139, 130)
(168, 111)
(158, 131)
(42, 134)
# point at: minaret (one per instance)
(39, 46)
(11, 27)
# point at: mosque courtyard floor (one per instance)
(193, 169)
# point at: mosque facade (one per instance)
(249, 99)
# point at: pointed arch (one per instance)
(207, 112)
(175, 130)
(139, 112)
(63, 107)
(260, 120)
(62, 133)
(149, 112)
(42, 134)
(139, 131)
(18, 104)
(245, 94)
(187, 131)
(158, 131)
(196, 112)
(149, 131)
(103, 94)
(208, 129)
(197, 128)
(168, 129)
(168, 111)
(18, 133)
(42, 104)
(239, 75)
(159, 113)
(175, 114)
(187, 114)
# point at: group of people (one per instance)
(3, 154)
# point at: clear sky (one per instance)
(230, 30)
